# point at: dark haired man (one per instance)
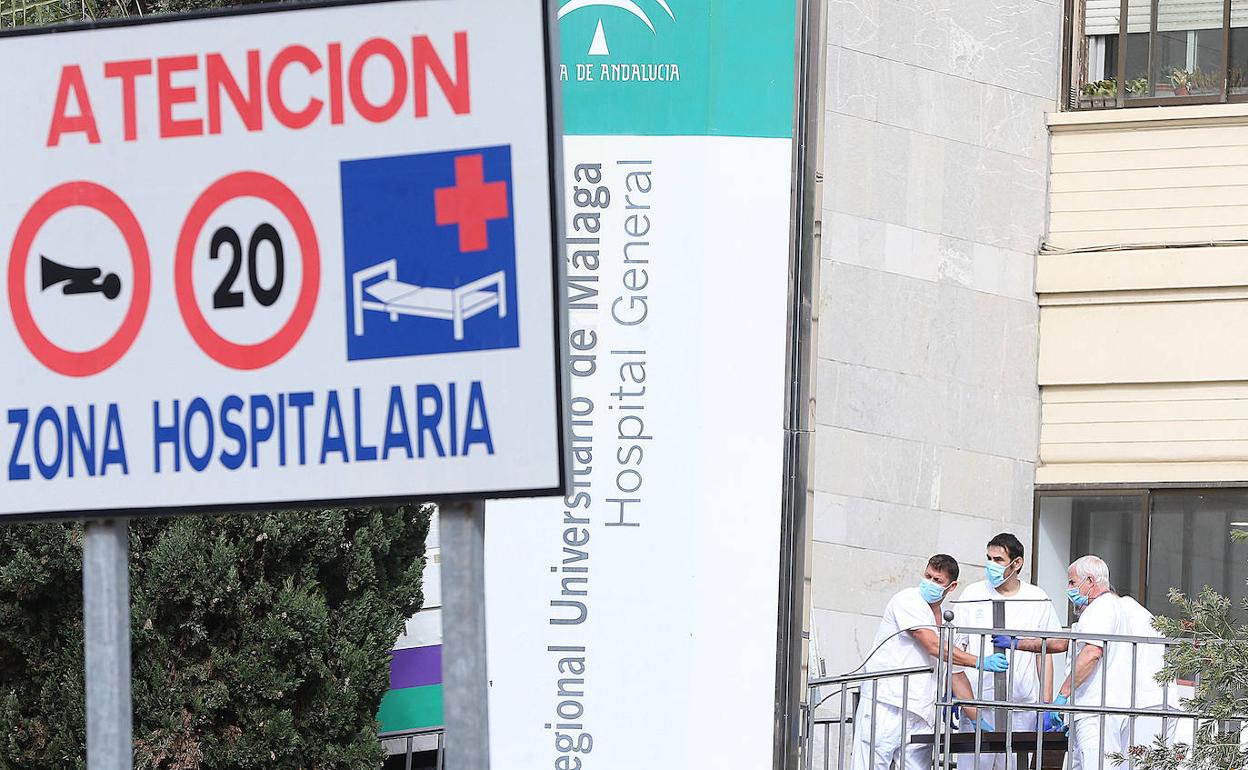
(1004, 600)
(908, 638)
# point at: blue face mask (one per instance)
(1076, 598)
(995, 574)
(931, 591)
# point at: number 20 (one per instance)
(226, 296)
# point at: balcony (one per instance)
(1149, 53)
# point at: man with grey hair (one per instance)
(1096, 672)
(1101, 672)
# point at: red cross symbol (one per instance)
(471, 203)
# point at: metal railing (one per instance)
(408, 739)
(843, 719)
(1095, 723)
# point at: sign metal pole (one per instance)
(106, 620)
(464, 677)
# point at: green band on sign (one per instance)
(677, 67)
(411, 708)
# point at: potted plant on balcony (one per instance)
(1137, 87)
(1098, 93)
(1181, 80)
(1205, 82)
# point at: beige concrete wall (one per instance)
(1143, 291)
(1170, 175)
(1172, 432)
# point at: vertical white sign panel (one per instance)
(633, 624)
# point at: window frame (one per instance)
(1145, 493)
(1071, 36)
(1099, 490)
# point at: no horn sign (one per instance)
(295, 256)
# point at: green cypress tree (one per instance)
(259, 641)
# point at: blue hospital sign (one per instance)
(429, 253)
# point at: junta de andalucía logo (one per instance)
(616, 71)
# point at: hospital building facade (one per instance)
(1033, 278)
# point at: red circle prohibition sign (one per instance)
(247, 184)
(93, 196)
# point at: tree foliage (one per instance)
(259, 641)
(1217, 659)
(17, 13)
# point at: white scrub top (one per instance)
(1105, 615)
(1029, 609)
(897, 649)
(1138, 621)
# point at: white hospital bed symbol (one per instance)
(394, 297)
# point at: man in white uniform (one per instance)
(908, 638)
(1101, 673)
(1054, 719)
(1101, 611)
(1149, 694)
(1026, 608)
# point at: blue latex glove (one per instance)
(996, 663)
(1053, 722)
(1004, 642)
(985, 725)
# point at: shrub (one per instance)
(259, 641)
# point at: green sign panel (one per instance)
(677, 67)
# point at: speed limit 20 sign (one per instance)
(291, 256)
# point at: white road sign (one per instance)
(283, 257)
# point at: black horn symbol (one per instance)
(78, 280)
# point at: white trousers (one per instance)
(1086, 751)
(888, 748)
(1023, 721)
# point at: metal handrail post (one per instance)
(1008, 713)
(979, 714)
(808, 734)
(905, 718)
(941, 663)
(1135, 657)
(1044, 671)
(840, 746)
(875, 713)
(1104, 664)
(827, 737)
(1165, 701)
(952, 635)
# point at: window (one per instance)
(1175, 52)
(1106, 525)
(1152, 540)
(1189, 546)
